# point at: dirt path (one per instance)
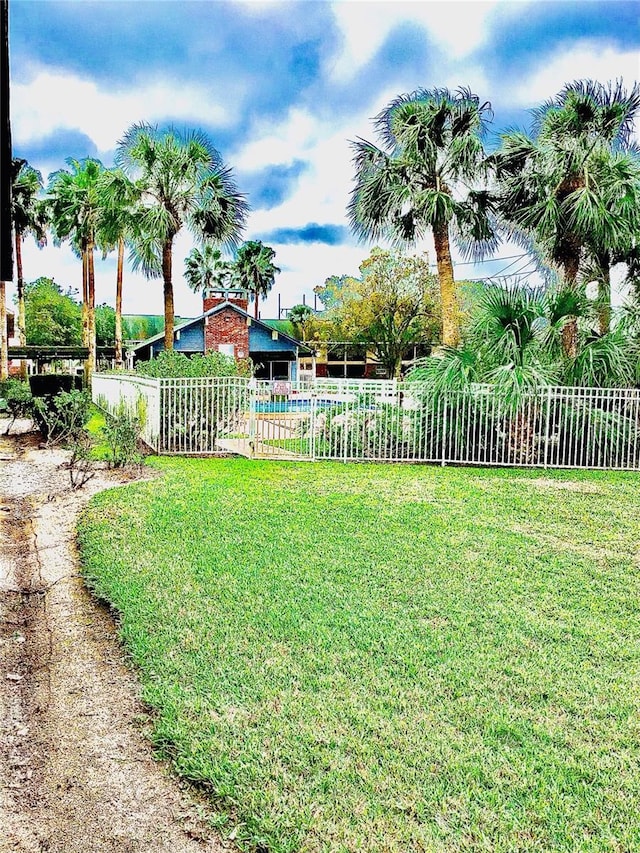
(76, 773)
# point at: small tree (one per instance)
(395, 303)
(301, 317)
(254, 269)
(52, 316)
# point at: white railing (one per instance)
(138, 394)
(387, 421)
(204, 415)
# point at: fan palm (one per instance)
(422, 180)
(182, 181)
(206, 268)
(74, 205)
(573, 186)
(254, 269)
(300, 316)
(29, 217)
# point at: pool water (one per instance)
(285, 406)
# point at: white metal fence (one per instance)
(137, 394)
(388, 421)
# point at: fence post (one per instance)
(444, 432)
(253, 393)
(546, 428)
(312, 423)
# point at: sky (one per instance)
(282, 89)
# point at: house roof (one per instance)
(215, 310)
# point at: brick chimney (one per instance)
(213, 296)
(226, 331)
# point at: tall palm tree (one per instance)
(29, 217)
(206, 268)
(254, 269)
(118, 197)
(75, 205)
(425, 178)
(573, 185)
(182, 181)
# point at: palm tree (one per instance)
(206, 268)
(74, 204)
(422, 180)
(254, 269)
(573, 186)
(300, 316)
(29, 217)
(182, 181)
(118, 196)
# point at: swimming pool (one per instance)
(282, 407)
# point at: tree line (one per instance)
(162, 181)
(567, 191)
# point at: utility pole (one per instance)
(6, 248)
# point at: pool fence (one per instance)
(380, 420)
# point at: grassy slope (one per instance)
(371, 658)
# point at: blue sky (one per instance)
(281, 88)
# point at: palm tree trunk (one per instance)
(22, 331)
(255, 293)
(118, 341)
(448, 296)
(85, 297)
(570, 330)
(168, 295)
(603, 307)
(91, 311)
(85, 312)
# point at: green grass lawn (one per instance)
(386, 658)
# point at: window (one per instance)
(226, 349)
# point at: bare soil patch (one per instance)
(76, 772)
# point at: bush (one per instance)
(49, 384)
(122, 434)
(61, 417)
(172, 364)
(18, 400)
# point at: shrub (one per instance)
(18, 400)
(61, 417)
(172, 364)
(50, 384)
(122, 435)
(81, 465)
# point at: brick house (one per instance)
(225, 326)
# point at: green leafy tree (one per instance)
(334, 289)
(420, 180)
(394, 304)
(254, 269)
(105, 325)
(182, 181)
(572, 187)
(74, 205)
(207, 268)
(52, 315)
(29, 216)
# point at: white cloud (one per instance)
(459, 28)
(53, 100)
(580, 60)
